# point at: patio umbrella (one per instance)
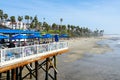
(3, 37)
(19, 36)
(64, 36)
(34, 36)
(47, 36)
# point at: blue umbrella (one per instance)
(35, 36)
(47, 36)
(3, 37)
(19, 36)
(64, 35)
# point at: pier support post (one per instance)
(55, 73)
(36, 70)
(13, 74)
(8, 75)
(0, 75)
(17, 74)
(47, 68)
(20, 74)
(30, 71)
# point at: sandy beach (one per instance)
(77, 49)
(79, 46)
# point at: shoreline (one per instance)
(89, 59)
(80, 46)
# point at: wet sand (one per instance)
(87, 60)
(78, 47)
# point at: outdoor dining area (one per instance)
(20, 45)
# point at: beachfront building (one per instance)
(14, 25)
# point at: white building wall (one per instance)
(15, 25)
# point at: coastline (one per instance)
(87, 60)
(79, 46)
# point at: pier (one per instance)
(13, 60)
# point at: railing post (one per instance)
(23, 53)
(49, 46)
(58, 44)
(0, 57)
(47, 68)
(37, 48)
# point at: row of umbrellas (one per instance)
(21, 36)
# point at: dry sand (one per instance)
(79, 46)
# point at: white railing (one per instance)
(13, 55)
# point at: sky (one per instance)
(94, 14)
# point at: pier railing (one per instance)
(10, 56)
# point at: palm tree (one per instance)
(54, 26)
(36, 21)
(61, 20)
(72, 28)
(101, 32)
(27, 19)
(31, 18)
(39, 25)
(20, 18)
(1, 14)
(32, 25)
(68, 29)
(63, 31)
(60, 28)
(5, 17)
(12, 18)
(46, 26)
